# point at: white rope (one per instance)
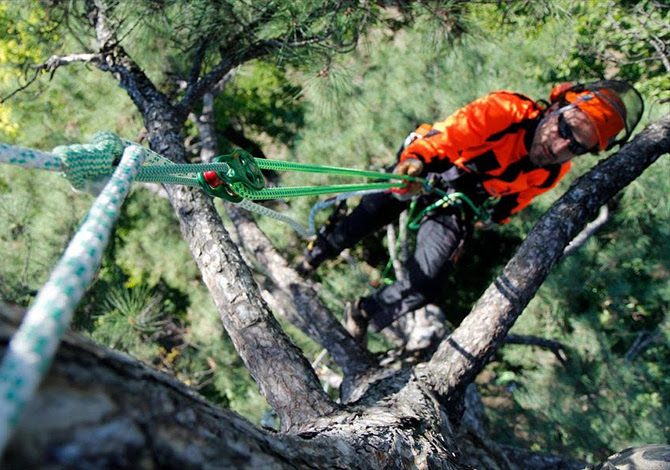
(331, 201)
(304, 232)
(31, 350)
(29, 158)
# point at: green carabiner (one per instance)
(242, 169)
(239, 171)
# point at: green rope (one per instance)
(267, 212)
(165, 174)
(297, 191)
(278, 165)
(90, 162)
(170, 179)
(445, 200)
(155, 172)
(239, 174)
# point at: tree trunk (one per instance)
(312, 317)
(284, 375)
(101, 409)
(294, 297)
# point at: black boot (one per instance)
(317, 251)
(320, 249)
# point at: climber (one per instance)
(503, 150)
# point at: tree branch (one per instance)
(114, 59)
(195, 90)
(98, 408)
(274, 362)
(51, 65)
(591, 228)
(463, 354)
(555, 347)
(198, 59)
(312, 317)
(284, 375)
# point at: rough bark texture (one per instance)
(463, 354)
(284, 375)
(286, 378)
(101, 409)
(288, 293)
(313, 317)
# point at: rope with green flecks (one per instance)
(29, 158)
(31, 349)
(115, 162)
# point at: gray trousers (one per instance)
(440, 235)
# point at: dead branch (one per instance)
(555, 347)
(50, 66)
(587, 232)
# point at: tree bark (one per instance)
(284, 375)
(313, 317)
(299, 301)
(463, 354)
(98, 408)
(296, 298)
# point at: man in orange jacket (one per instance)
(503, 148)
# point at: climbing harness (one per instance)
(457, 199)
(447, 199)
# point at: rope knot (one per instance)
(89, 163)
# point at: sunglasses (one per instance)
(565, 131)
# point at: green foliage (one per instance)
(604, 303)
(38, 215)
(150, 246)
(623, 39)
(260, 100)
(25, 31)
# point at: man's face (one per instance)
(561, 136)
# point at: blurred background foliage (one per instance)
(607, 303)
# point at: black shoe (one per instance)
(356, 323)
(317, 251)
(304, 268)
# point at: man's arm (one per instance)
(467, 128)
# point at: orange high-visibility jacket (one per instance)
(491, 138)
